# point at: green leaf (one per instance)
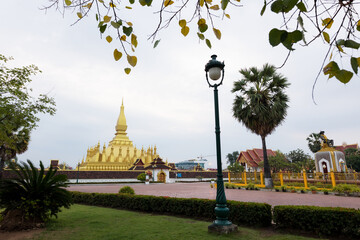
(131, 1)
(148, 2)
(203, 27)
(201, 36)
(301, 23)
(275, 37)
(103, 28)
(340, 42)
(344, 76)
(127, 70)
(289, 5)
(127, 30)
(224, 4)
(331, 69)
(351, 44)
(116, 24)
(97, 17)
(326, 37)
(358, 26)
(301, 7)
(67, 2)
(354, 64)
(263, 8)
(277, 6)
(132, 60)
(156, 43)
(208, 43)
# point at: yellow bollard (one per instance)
(261, 178)
(298, 175)
(305, 179)
(332, 175)
(229, 177)
(281, 178)
(288, 174)
(245, 177)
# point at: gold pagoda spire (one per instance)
(121, 127)
(121, 122)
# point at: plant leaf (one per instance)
(127, 30)
(326, 37)
(182, 23)
(79, 14)
(185, 30)
(132, 60)
(217, 33)
(103, 28)
(208, 43)
(134, 41)
(107, 19)
(109, 39)
(201, 36)
(67, 2)
(327, 22)
(127, 70)
(224, 4)
(354, 64)
(156, 43)
(117, 55)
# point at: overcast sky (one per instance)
(166, 96)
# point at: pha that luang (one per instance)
(120, 154)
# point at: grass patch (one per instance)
(93, 223)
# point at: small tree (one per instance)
(141, 177)
(18, 109)
(32, 196)
(236, 167)
(277, 162)
(353, 158)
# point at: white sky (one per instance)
(166, 97)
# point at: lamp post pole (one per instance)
(214, 69)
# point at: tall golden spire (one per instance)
(121, 122)
(121, 127)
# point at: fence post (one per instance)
(281, 178)
(261, 178)
(288, 174)
(245, 177)
(305, 179)
(255, 176)
(332, 175)
(298, 175)
(229, 177)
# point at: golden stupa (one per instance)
(120, 154)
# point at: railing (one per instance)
(298, 179)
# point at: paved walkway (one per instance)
(203, 190)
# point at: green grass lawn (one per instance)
(87, 222)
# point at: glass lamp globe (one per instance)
(215, 73)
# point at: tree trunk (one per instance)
(267, 172)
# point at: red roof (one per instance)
(345, 146)
(255, 156)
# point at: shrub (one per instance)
(321, 220)
(244, 213)
(303, 190)
(313, 188)
(277, 189)
(141, 177)
(127, 190)
(346, 188)
(32, 196)
(250, 186)
(284, 188)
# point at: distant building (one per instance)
(191, 164)
(345, 146)
(250, 159)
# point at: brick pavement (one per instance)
(203, 190)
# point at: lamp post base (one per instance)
(222, 229)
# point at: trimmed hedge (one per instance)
(241, 213)
(321, 220)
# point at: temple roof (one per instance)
(157, 163)
(255, 156)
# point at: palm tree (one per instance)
(260, 104)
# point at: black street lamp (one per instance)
(214, 70)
